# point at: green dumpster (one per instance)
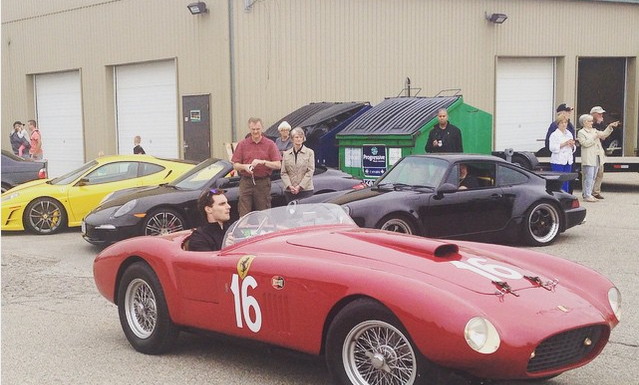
(397, 127)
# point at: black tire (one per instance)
(162, 222)
(398, 223)
(521, 161)
(143, 312)
(542, 224)
(366, 344)
(44, 216)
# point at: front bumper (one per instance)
(102, 235)
(12, 217)
(102, 228)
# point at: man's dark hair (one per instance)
(206, 199)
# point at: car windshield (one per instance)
(285, 217)
(199, 176)
(73, 175)
(416, 171)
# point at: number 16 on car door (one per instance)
(247, 309)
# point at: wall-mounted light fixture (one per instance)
(497, 18)
(197, 8)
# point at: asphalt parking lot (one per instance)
(57, 329)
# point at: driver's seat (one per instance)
(185, 244)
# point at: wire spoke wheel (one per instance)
(163, 222)
(143, 311)
(140, 308)
(377, 353)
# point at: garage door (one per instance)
(146, 101)
(59, 116)
(524, 102)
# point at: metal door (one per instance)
(197, 127)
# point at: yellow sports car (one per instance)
(47, 205)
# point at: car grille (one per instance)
(566, 348)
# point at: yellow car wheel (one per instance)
(44, 216)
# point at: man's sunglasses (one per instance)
(214, 191)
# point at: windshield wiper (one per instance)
(383, 186)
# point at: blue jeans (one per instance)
(588, 173)
(562, 168)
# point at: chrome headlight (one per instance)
(125, 208)
(614, 298)
(10, 196)
(481, 335)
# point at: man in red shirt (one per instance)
(36, 141)
(254, 159)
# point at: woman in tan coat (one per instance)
(592, 153)
(298, 166)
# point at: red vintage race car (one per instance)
(384, 308)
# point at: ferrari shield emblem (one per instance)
(243, 265)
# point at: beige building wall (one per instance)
(287, 53)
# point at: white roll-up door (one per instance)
(146, 102)
(524, 102)
(59, 117)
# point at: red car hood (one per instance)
(468, 268)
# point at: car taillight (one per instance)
(42, 174)
(575, 204)
(359, 186)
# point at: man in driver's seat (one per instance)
(216, 210)
(466, 180)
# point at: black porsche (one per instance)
(172, 207)
(462, 196)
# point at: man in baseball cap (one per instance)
(564, 108)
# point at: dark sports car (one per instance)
(16, 170)
(422, 195)
(383, 308)
(172, 207)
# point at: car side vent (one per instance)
(446, 250)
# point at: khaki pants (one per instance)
(596, 190)
(254, 196)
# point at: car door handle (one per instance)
(496, 196)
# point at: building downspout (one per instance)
(232, 72)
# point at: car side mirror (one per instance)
(83, 182)
(446, 188)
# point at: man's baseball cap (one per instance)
(17, 122)
(597, 109)
(564, 107)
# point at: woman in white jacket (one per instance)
(562, 145)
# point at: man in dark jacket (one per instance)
(216, 210)
(444, 137)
